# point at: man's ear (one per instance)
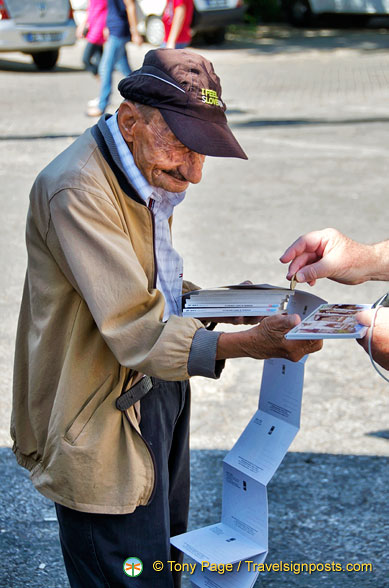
(127, 117)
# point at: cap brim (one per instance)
(208, 138)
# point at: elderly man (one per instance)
(102, 306)
(330, 254)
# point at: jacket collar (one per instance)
(107, 146)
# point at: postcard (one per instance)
(331, 321)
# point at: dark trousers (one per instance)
(95, 546)
(91, 57)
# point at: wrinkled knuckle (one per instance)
(310, 274)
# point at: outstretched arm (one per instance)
(330, 254)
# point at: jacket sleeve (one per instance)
(89, 243)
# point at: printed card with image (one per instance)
(331, 321)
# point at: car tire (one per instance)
(155, 31)
(45, 60)
(215, 37)
(360, 20)
(299, 13)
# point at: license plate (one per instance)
(216, 3)
(43, 37)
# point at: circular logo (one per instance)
(133, 567)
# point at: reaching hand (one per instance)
(328, 254)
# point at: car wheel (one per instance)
(155, 31)
(360, 20)
(45, 60)
(299, 13)
(215, 37)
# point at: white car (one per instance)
(210, 18)
(301, 12)
(37, 27)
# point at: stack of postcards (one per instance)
(238, 300)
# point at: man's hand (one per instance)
(266, 340)
(81, 27)
(380, 341)
(330, 254)
(233, 320)
(240, 320)
(136, 38)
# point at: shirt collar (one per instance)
(134, 175)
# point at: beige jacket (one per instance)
(90, 313)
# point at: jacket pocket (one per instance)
(87, 411)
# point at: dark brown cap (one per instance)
(186, 90)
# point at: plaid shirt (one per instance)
(162, 203)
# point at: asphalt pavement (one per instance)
(311, 110)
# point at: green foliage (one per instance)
(262, 10)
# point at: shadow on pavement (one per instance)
(322, 508)
(379, 434)
(38, 137)
(304, 122)
(282, 38)
(24, 67)
(255, 123)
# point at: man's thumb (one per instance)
(291, 320)
(310, 273)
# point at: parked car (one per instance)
(301, 12)
(37, 27)
(210, 18)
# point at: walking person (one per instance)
(177, 19)
(122, 28)
(93, 30)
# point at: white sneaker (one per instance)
(94, 111)
(94, 102)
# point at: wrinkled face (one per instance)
(163, 160)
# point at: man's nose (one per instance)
(192, 168)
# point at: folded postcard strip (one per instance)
(241, 538)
